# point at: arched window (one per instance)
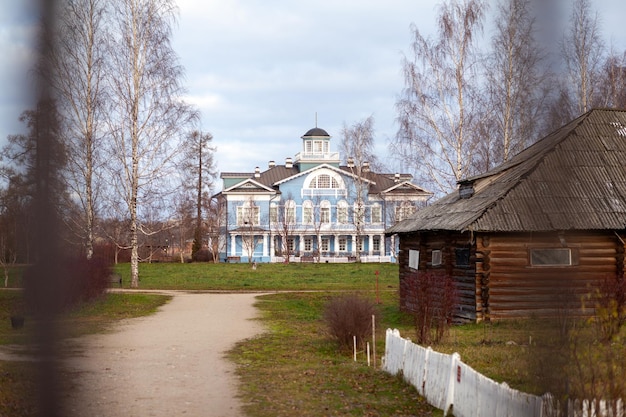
(307, 212)
(342, 212)
(290, 212)
(325, 212)
(323, 181)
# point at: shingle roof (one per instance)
(378, 182)
(573, 179)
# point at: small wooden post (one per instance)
(374, 337)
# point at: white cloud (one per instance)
(260, 70)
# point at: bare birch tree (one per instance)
(357, 143)
(285, 225)
(515, 80)
(613, 81)
(76, 59)
(438, 109)
(248, 222)
(147, 115)
(583, 52)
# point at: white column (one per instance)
(370, 244)
(381, 249)
(265, 246)
(301, 244)
(355, 248)
(272, 250)
(233, 245)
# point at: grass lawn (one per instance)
(296, 369)
(241, 277)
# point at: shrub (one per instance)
(75, 280)
(347, 316)
(436, 302)
(87, 279)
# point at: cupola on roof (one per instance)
(316, 131)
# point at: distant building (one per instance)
(312, 208)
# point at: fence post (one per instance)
(455, 358)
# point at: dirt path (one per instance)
(169, 364)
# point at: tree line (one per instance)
(110, 141)
(469, 105)
(123, 154)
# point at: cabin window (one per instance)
(414, 259)
(551, 257)
(436, 258)
(325, 244)
(308, 244)
(462, 256)
(342, 244)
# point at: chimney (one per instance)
(288, 163)
(466, 189)
(271, 164)
(350, 162)
(257, 172)
(396, 178)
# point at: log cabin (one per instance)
(533, 236)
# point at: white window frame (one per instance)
(376, 213)
(551, 257)
(290, 212)
(307, 212)
(274, 213)
(325, 215)
(436, 257)
(325, 244)
(343, 244)
(376, 243)
(248, 212)
(342, 212)
(404, 210)
(414, 259)
(308, 244)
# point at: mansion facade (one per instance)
(314, 209)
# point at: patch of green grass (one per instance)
(88, 318)
(98, 316)
(272, 277)
(17, 380)
(296, 369)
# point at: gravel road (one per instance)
(169, 364)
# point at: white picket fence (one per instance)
(447, 383)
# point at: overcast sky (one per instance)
(260, 70)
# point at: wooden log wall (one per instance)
(500, 283)
(509, 287)
(463, 275)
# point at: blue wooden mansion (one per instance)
(314, 209)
